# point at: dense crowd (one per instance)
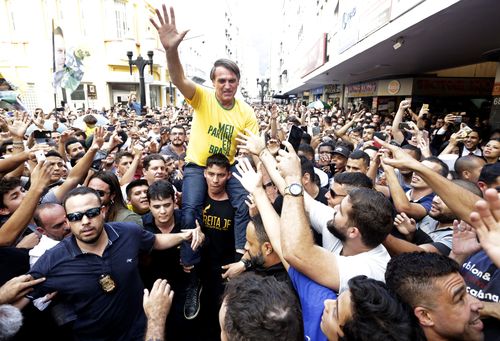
(217, 220)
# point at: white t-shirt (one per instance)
(371, 263)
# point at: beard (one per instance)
(335, 231)
(444, 218)
(257, 261)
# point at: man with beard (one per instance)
(95, 270)
(434, 233)
(176, 148)
(263, 259)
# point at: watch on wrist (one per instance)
(247, 263)
(294, 189)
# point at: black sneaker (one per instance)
(192, 303)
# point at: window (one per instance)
(120, 11)
(78, 94)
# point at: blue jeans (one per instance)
(194, 192)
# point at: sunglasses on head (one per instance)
(90, 213)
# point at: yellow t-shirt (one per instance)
(214, 128)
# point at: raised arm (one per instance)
(252, 181)
(297, 241)
(79, 172)
(170, 39)
(396, 132)
(15, 225)
(458, 199)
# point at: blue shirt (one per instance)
(311, 295)
(117, 315)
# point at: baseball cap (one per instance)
(342, 150)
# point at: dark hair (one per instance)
(307, 167)
(3, 147)
(121, 154)
(70, 141)
(306, 138)
(444, 170)
(490, 173)
(53, 153)
(353, 179)
(306, 149)
(149, 158)
(39, 209)
(412, 275)
(226, 64)
(261, 308)
(90, 119)
(160, 190)
(372, 214)
(377, 314)
(7, 184)
(135, 183)
(178, 126)
(82, 190)
(327, 144)
(359, 154)
(260, 231)
(114, 187)
(218, 160)
(414, 149)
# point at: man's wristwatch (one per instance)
(294, 189)
(247, 263)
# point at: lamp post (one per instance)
(141, 64)
(264, 85)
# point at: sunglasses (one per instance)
(90, 213)
(333, 194)
(269, 184)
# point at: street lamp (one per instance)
(264, 85)
(141, 64)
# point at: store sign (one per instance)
(362, 89)
(393, 87)
(317, 91)
(453, 86)
(91, 91)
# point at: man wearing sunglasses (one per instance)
(95, 270)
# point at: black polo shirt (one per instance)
(117, 315)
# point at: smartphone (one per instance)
(316, 130)
(42, 136)
(458, 119)
(381, 135)
(295, 136)
(403, 126)
(111, 128)
(40, 156)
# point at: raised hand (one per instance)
(157, 303)
(486, 220)
(253, 143)
(405, 224)
(289, 163)
(20, 124)
(169, 36)
(249, 178)
(464, 239)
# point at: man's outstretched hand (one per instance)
(169, 36)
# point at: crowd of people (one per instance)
(212, 221)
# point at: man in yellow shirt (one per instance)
(217, 120)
